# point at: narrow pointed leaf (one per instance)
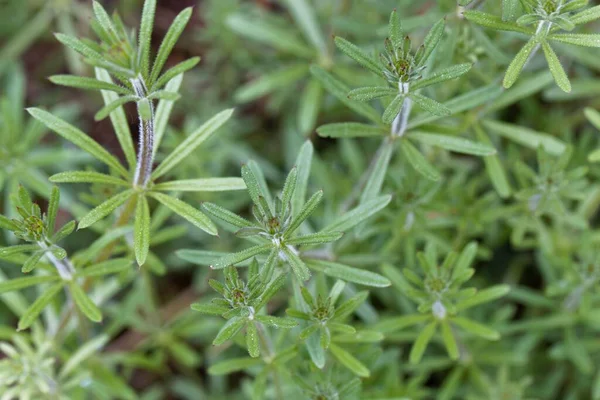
(84, 303)
(236, 258)
(38, 306)
(559, 74)
(175, 30)
(190, 144)
(357, 215)
(87, 177)
(349, 274)
(518, 63)
(418, 161)
(202, 185)
(349, 361)
(196, 217)
(104, 209)
(419, 346)
(350, 130)
(77, 137)
(141, 230)
(453, 143)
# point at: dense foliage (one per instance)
(344, 199)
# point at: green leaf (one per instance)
(114, 266)
(64, 231)
(78, 46)
(494, 167)
(233, 365)
(518, 63)
(483, 296)
(20, 283)
(402, 322)
(314, 238)
(494, 22)
(209, 308)
(163, 110)
(476, 328)
(83, 352)
(340, 90)
(112, 106)
(80, 82)
(145, 36)
(431, 40)
(173, 72)
(419, 346)
(252, 340)
(349, 274)
(190, 144)
(352, 51)
(202, 185)
(525, 136)
(77, 137)
(53, 206)
(277, 322)
(418, 162)
(348, 361)
(289, 187)
(510, 8)
(229, 330)
(560, 77)
(236, 258)
(370, 93)
(38, 306)
(298, 267)
(118, 119)
(303, 164)
(393, 109)
(196, 217)
(87, 177)
(104, 20)
(304, 16)
(442, 75)
(84, 303)
(104, 209)
(578, 39)
(453, 143)
(141, 230)
(310, 106)
(267, 33)
(449, 340)
(283, 78)
(378, 172)
(350, 130)
(430, 105)
(395, 33)
(307, 209)
(32, 261)
(164, 95)
(175, 30)
(585, 16)
(226, 215)
(593, 116)
(358, 214)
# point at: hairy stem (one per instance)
(401, 121)
(145, 155)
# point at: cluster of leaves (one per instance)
(477, 240)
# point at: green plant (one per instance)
(412, 219)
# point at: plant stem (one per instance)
(401, 121)
(268, 347)
(146, 134)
